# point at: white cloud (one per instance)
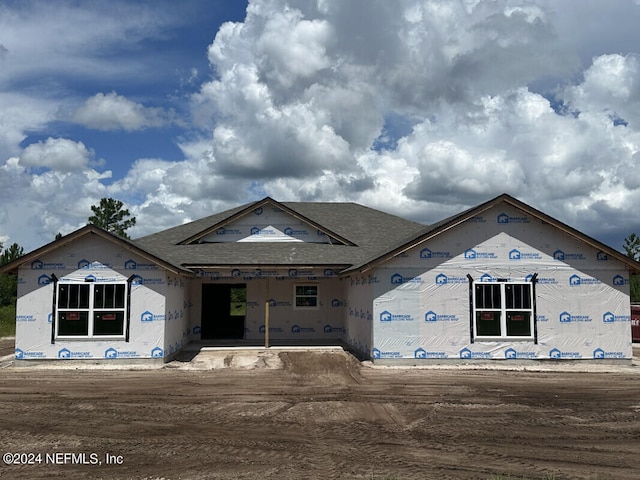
(43, 40)
(46, 203)
(611, 86)
(457, 71)
(18, 113)
(469, 99)
(115, 112)
(58, 154)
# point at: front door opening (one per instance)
(224, 307)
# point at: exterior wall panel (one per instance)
(101, 261)
(422, 308)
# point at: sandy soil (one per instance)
(318, 415)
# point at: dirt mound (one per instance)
(228, 359)
(334, 367)
(7, 346)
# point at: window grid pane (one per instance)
(518, 296)
(488, 296)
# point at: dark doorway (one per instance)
(224, 307)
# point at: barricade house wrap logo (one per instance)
(111, 353)
(422, 353)
(331, 329)
(262, 329)
(138, 280)
(66, 353)
(541, 280)
(398, 279)
(442, 279)
(503, 218)
(278, 303)
(148, 316)
(427, 253)
(599, 353)
(377, 353)
(566, 317)
(432, 316)
(299, 329)
(157, 352)
(619, 280)
(263, 231)
(609, 317)
(466, 354)
(561, 255)
(40, 265)
(133, 265)
(557, 354)
(292, 232)
(228, 231)
(85, 264)
(485, 277)
(512, 354)
(516, 254)
(387, 316)
(472, 254)
(577, 281)
(21, 354)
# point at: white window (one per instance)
(91, 309)
(306, 296)
(503, 310)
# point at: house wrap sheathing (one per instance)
(152, 316)
(498, 281)
(423, 305)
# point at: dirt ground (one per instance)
(318, 415)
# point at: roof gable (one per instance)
(87, 230)
(503, 218)
(356, 232)
(266, 221)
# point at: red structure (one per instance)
(635, 323)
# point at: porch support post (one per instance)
(266, 317)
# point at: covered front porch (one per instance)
(303, 306)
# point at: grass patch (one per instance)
(8, 321)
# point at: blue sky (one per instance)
(174, 59)
(419, 108)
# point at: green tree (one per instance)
(632, 246)
(632, 249)
(111, 216)
(8, 291)
(11, 253)
(9, 283)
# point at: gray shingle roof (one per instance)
(371, 232)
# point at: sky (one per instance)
(417, 108)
